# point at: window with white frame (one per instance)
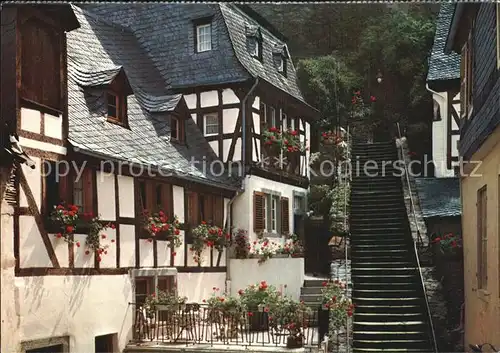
(203, 37)
(210, 124)
(298, 204)
(284, 119)
(273, 225)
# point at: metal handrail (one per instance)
(412, 204)
(431, 326)
(347, 183)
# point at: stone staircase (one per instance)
(391, 314)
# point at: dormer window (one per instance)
(117, 107)
(203, 37)
(176, 129)
(280, 56)
(113, 107)
(254, 41)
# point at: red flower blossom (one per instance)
(453, 244)
(373, 99)
(240, 292)
(103, 236)
(177, 232)
(150, 240)
(325, 284)
(203, 222)
(69, 229)
(78, 244)
(99, 258)
(357, 93)
(250, 313)
(437, 240)
(59, 235)
(349, 313)
(174, 253)
(87, 252)
(112, 240)
(112, 226)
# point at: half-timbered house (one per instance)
(117, 119)
(443, 81)
(238, 80)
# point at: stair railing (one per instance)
(347, 179)
(410, 191)
(431, 325)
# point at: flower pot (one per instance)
(272, 150)
(293, 161)
(258, 321)
(294, 342)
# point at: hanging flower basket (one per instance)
(210, 236)
(160, 226)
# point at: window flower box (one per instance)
(210, 236)
(160, 226)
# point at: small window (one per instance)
(144, 286)
(203, 37)
(255, 47)
(211, 124)
(113, 106)
(263, 112)
(285, 121)
(298, 204)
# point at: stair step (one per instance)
(402, 326)
(379, 251)
(385, 293)
(390, 335)
(389, 318)
(310, 290)
(314, 282)
(393, 350)
(388, 309)
(378, 278)
(381, 286)
(393, 344)
(382, 264)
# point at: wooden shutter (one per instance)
(88, 190)
(193, 209)
(219, 211)
(285, 215)
(168, 199)
(258, 211)
(64, 189)
(208, 208)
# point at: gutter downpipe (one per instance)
(243, 175)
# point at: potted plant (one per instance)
(257, 299)
(447, 246)
(159, 225)
(293, 148)
(69, 220)
(273, 141)
(241, 248)
(292, 317)
(226, 312)
(165, 301)
(335, 309)
(211, 236)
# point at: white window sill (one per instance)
(271, 235)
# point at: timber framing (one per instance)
(452, 116)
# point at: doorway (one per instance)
(105, 343)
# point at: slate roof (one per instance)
(165, 31)
(97, 51)
(443, 66)
(439, 197)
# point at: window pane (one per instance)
(273, 214)
(273, 116)
(211, 124)
(204, 37)
(78, 192)
(174, 126)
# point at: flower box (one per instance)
(272, 150)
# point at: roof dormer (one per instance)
(117, 88)
(254, 41)
(280, 58)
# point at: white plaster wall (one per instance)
(229, 118)
(34, 178)
(81, 259)
(215, 146)
(146, 254)
(126, 196)
(108, 258)
(256, 102)
(53, 126)
(163, 253)
(237, 150)
(209, 99)
(276, 271)
(44, 146)
(243, 205)
(198, 286)
(178, 196)
(61, 250)
(190, 100)
(439, 139)
(32, 251)
(9, 300)
(228, 96)
(256, 122)
(193, 116)
(81, 307)
(127, 245)
(106, 196)
(30, 120)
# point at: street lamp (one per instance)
(379, 77)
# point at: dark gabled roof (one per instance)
(443, 66)
(165, 31)
(439, 197)
(98, 47)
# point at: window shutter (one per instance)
(88, 190)
(192, 216)
(219, 211)
(285, 215)
(258, 211)
(64, 189)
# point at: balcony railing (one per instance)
(199, 325)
